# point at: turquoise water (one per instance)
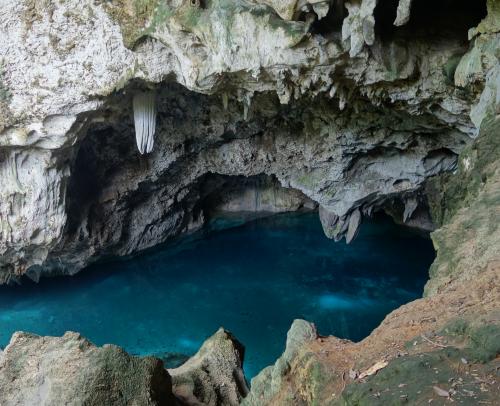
(253, 280)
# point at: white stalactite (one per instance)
(225, 100)
(403, 13)
(145, 120)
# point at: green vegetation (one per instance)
(443, 369)
(450, 192)
(482, 343)
(141, 18)
(4, 91)
(463, 205)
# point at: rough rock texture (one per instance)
(444, 347)
(449, 340)
(271, 380)
(214, 375)
(350, 110)
(70, 370)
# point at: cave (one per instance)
(252, 272)
(332, 22)
(316, 178)
(241, 238)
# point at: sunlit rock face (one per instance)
(72, 370)
(335, 103)
(214, 375)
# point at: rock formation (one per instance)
(271, 380)
(214, 375)
(145, 120)
(352, 114)
(38, 370)
(70, 370)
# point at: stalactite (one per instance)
(247, 103)
(225, 100)
(145, 120)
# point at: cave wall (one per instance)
(351, 114)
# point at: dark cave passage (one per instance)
(430, 19)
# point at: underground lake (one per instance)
(253, 279)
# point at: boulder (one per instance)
(268, 383)
(70, 370)
(214, 375)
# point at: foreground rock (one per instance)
(70, 370)
(214, 375)
(272, 380)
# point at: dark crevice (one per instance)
(333, 21)
(430, 19)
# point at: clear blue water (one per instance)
(253, 279)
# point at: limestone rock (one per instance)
(214, 375)
(403, 12)
(336, 227)
(288, 9)
(359, 25)
(344, 127)
(38, 370)
(411, 205)
(270, 380)
(353, 227)
(145, 120)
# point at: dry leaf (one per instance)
(441, 392)
(373, 369)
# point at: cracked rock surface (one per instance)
(351, 114)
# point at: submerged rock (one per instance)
(214, 375)
(38, 370)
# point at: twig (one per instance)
(433, 343)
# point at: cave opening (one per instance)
(438, 19)
(216, 247)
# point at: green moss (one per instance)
(411, 380)
(481, 342)
(456, 327)
(316, 378)
(450, 192)
(485, 342)
(140, 18)
(462, 204)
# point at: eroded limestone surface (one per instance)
(214, 375)
(352, 114)
(38, 370)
